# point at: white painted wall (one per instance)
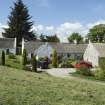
(91, 55)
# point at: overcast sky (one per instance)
(60, 16)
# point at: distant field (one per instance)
(18, 87)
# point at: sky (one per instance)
(62, 17)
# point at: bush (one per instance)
(34, 63)
(99, 74)
(83, 70)
(65, 64)
(102, 63)
(11, 56)
(24, 57)
(54, 59)
(3, 58)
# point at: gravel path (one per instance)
(60, 72)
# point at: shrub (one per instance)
(24, 57)
(11, 56)
(100, 73)
(102, 63)
(34, 63)
(3, 58)
(65, 64)
(54, 59)
(83, 70)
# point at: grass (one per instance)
(83, 76)
(14, 63)
(18, 87)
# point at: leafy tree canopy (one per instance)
(75, 37)
(97, 33)
(45, 38)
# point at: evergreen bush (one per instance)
(3, 58)
(34, 64)
(54, 59)
(24, 57)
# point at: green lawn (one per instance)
(18, 87)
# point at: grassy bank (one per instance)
(18, 87)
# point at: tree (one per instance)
(3, 58)
(75, 36)
(53, 38)
(97, 33)
(54, 59)
(19, 24)
(34, 64)
(45, 38)
(24, 57)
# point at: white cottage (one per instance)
(94, 52)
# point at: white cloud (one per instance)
(50, 28)
(63, 30)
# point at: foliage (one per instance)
(24, 57)
(75, 37)
(97, 33)
(11, 56)
(34, 63)
(83, 70)
(65, 64)
(54, 59)
(100, 73)
(52, 38)
(3, 58)
(19, 24)
(102, 63)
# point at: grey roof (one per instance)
(59, 47)
(31, 46)
(100, 47)
(7, 42)
(69, 48)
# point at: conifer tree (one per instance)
(19, 24)
(3, 58)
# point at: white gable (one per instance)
(91, 55)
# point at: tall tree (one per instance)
(19, 24)
(97, 33)
(75, 36)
